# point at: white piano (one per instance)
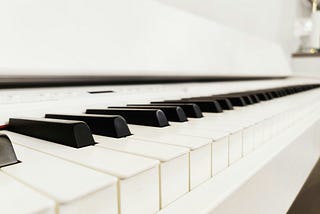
(142, 107)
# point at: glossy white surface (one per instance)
(133, 171)
(272, 160)
(173, 182)
(154, 150)
(235, 147)
(167, 136)
(104, 160)
(18, 198)
(174, 179)
(220, 155)
(248, 138)
(200, 166)
(140, 194)
(121, 37)
(199, 156)
(65, 182)
(279, 181)
(273, 19)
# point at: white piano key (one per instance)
(200, 154)
(220, 144)
(259, 135)
(235, 138)
(74, 188)
(174, 187)
(166, 136)
(154, 150)
(220, 155)
(174, 163)
(216, 190)
(235, 147)
(237, 118)
(248, 140)
(16, 197)
(199, 173)
(268, 123)
(139, 176)
(243, 132)
(216, 125)
(273, 126)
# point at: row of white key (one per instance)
(305, 116)
(226, 149)
(222, 150)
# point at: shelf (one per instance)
(306, 55)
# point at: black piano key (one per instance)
(281, 93)
(303, 88)
(237, 100)
(250, 97)
(254, 98)
(190, 109)
(242, 98)
(298, 88)
(145, 117)
(290, 91)
(204, 105)
(284, 92)
(247, 99)
(269, 94)
(106, 125)
(295, 89)
(274, 94)
(224, 103)
(66, 132)
(7, 153)
(262, 96)
(173, 113)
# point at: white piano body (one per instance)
(146, 38)
(124, 37)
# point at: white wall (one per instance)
(143, 37)
(269, 19)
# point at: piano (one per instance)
(122, 107)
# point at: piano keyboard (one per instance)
(142, 149)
